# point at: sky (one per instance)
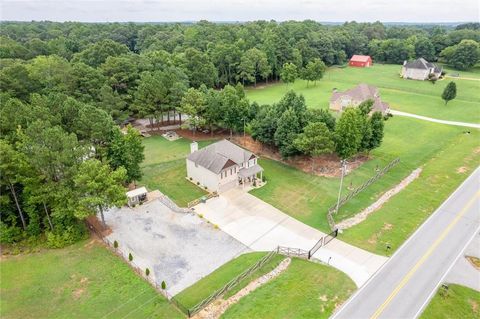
(241, 10)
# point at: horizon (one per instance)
(162, 11)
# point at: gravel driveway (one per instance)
(178, 248)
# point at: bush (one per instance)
(9, 234)
(115, 244)
(190, 178)
(147, 272)
(200, 215)
(130, 257)
(198, 183)
(205, 187)
(164, 285)
(62, 237)
(254, 183)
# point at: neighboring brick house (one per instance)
(420, 69)
(353, 97)
(360, 61)
(221, 166)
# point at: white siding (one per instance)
(228, 178)
(416, 74)
(204, 176)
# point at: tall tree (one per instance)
(450, 92)
(349, 133)
(193, 105)
(313, 71)
(289, 73)
(98, 188)
(253, 65)
(315, 140)
(463, 55)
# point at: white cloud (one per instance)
(241, 10)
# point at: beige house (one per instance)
(420, 69)
(221, 166)
(353, 97)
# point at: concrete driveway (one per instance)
(262, 227)
(178, 248)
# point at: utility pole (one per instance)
(344, 166)
(243, 130)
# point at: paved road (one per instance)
(429, 119)
(262, 227)
(407, 281)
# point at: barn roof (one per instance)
(360, 58)
(219, 155)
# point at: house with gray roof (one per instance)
(420, 69)
(353, 97)
(221, 166)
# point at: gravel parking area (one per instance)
(178, 248)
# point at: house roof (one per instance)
(361, 92)
(252, 170)
(220, 155)
(422, 64)
(360, 58)
(380, 106)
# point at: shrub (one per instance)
(62, 237)
(190, 178)
(198, 183)
(215, 226)
(254, 183)
(164, 285)
(130, 257)
(200, 215)
(205, 187)
(115, 244)
(147, 272)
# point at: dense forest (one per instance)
(66, 88)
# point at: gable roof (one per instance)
(361, 92)
(422, 64)
(360, 58)
(219, 155)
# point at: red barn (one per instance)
(361, 61)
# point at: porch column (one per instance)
(261, 176)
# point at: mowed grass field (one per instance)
(459, 302)
(203, 288)
(164, 169)
(446, 154)
(304, 290)
(418, 97)
(81, 281)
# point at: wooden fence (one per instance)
(232, 283)
(334, 208)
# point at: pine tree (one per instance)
(450, 92)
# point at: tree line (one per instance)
(66, 87)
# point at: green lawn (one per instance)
(221, 276)
(419, 97)
(82, 281)
(459, 302)
(164, 169)
(304, 290)
(442, 149)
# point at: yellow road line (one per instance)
(424, 258)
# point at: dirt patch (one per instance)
(217, 308)
(474, 305)
(462, 170)
(77, 293)
(360, 217)
(326, 165)
(323, 298)
(387, 226)
(475, 261)
(201, 136)
(96, 226)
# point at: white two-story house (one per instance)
(221, 166)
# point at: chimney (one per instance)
(404, 62)
(193, 147)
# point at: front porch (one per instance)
(249, 177)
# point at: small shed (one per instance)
(137, 196)
(362, 61)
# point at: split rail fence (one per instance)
(334, 208)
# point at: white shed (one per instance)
(137, 196)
